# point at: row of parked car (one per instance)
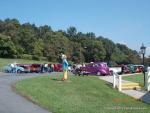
(31, 68)
(130, 68)
(101, 68)
(97, 68)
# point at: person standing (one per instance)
(42, 68)
(13, 67)
(65, 67)
(45, 67)
(52, 67)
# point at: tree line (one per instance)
(29, 41)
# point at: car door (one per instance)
(95, 68)
(88, 68)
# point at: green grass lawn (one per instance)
(78, 95)
(138, 78)
(5, 61)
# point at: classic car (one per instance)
(35, 68)
(10, 69)
(26, 67)
(98, 68)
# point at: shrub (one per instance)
(43, 58)
(26, 56)
(34, 57)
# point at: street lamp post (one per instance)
(80, 56)
(143, 50)
(86, 48)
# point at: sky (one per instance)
(122, 21)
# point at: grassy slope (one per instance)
(79, 95)
(139, 78)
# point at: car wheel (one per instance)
(98, 73)
(111, 73)
(19, 71)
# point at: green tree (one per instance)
(98, 52)
(38, 48)
(72, 32)
(2, 28)
(7, 47)
(109, 48)
(90, 35)
(19, 39)
(11, 27)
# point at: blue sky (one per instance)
(123, 21)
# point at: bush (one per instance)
(35, 57)
(26, 56)
(19, 56)
(43, 58)
(14, 56)
(49, 58)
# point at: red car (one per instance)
(125, 69)
(35, 68)
(58, 67)
(139, 68)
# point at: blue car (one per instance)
(16, 69)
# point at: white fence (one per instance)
(117, 81)
(148, 79)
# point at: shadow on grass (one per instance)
(56, 79)
(61, 81)
(110, 85)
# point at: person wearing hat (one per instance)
(64, 67)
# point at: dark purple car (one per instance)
(99, 68)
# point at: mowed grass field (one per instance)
(78, 95)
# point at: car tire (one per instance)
(111, 72)
(19, 71)
(98, 73)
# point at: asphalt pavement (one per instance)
(10, 102)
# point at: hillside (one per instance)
(31, 42)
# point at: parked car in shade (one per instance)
(132, 68)
(50, 68)
(135, 68)
(7, 69)
(26, 67)
(98, 68)
(58, 67)
(138, 68)
(35, 68)
(125, 69)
